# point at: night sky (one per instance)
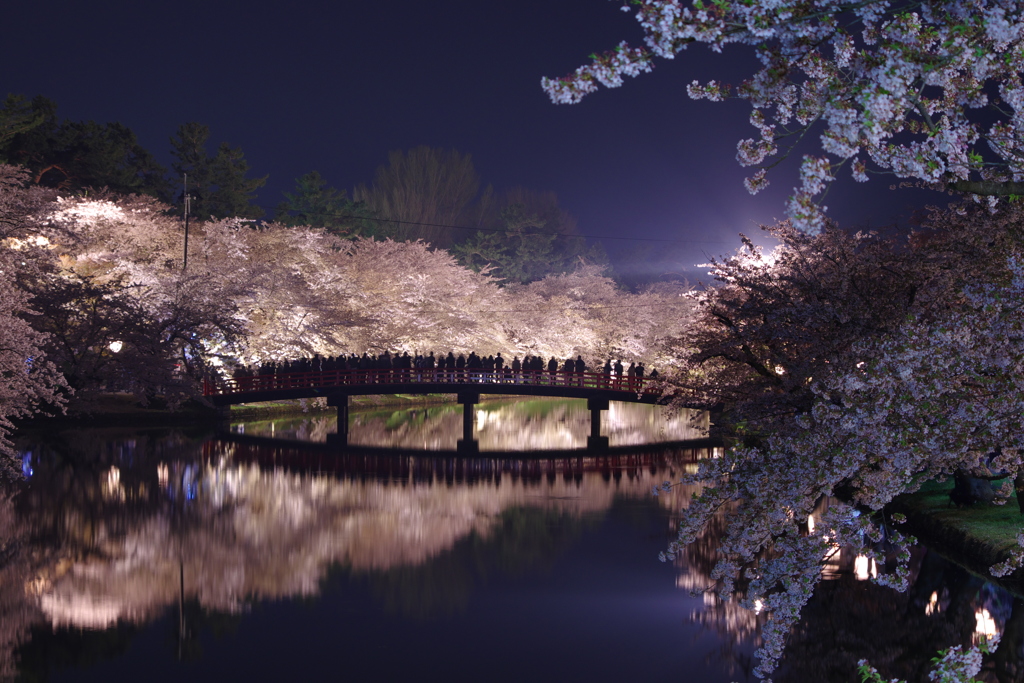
(335, 86)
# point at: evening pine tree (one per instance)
(317, 205)
(16, 117)
(217, 184)
(75, 155)
(529, 239)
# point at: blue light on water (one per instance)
(189, 483)
(26, 464)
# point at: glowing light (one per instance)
(34, 241)
(810, 523)
(758, 606)
(115, 346)
(986, 625)
(88, 212)
(831, 568)
(112, 489)
(862, 568)
(933, 605)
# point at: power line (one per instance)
(578, 308)
(481, 229)
(562, 308)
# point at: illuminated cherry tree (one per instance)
(853, 371)
(28, 380)
(928, 91)
(585, 313)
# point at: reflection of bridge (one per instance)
(337, 385)
(383, 464)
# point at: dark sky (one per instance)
(334, 86)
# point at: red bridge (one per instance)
(337, 385)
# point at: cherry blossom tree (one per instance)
(852, 370)
(418, 297)
(585, 313)
(928, 91)
(29, 382)
(119, 313)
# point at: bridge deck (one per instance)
(417, 381)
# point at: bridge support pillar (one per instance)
(467, 444)
(341, 403)
(224, 418)
(595, 441)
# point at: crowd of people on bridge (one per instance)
(386, 368)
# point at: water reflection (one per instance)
(851, 617)
(500, 425)
(243, 532)
(151, 525)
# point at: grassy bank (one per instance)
(120, 410)
(269, 409)
(974, 537)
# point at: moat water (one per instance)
(182, 555)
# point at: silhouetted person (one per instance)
(581, 367)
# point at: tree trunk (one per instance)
(1018, 485)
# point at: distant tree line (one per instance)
(434, 195)
(96, 298)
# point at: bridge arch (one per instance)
(338, 385)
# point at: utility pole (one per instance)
(184, 261)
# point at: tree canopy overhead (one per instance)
(928, 91)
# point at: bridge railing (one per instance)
(456, 378)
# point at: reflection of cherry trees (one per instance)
(236, 532)
(120, 534)
(17, 611)
(522, 425)
(851, 618)
(737, 626)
